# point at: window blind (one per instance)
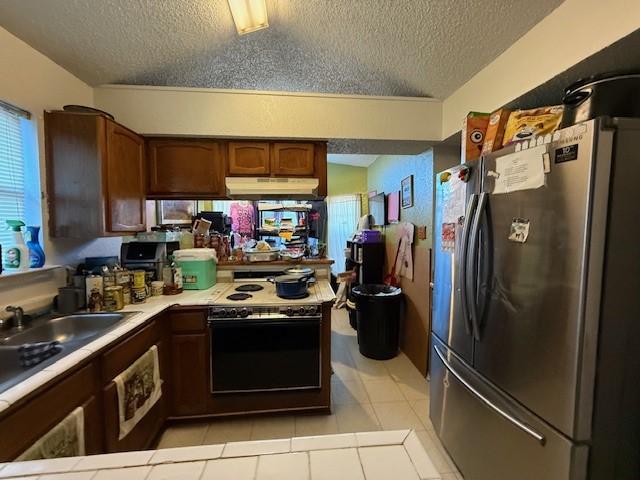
(12, 171)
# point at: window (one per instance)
(344, 213)
(19, 170)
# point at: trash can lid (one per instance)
(376, 290)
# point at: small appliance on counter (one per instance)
(149, 256)
(198, 267)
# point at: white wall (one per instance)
(211, 112)
(33, 82)
(574, 31)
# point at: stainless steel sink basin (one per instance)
(72, 331)
(67, 329)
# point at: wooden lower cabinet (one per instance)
(189, 374)
(148, 428)
(29, 422)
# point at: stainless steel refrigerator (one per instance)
(535, 342)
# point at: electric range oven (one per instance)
(265, 348)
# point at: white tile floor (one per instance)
(367, 395)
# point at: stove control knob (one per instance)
(302, 310)
(290, 311)
(232, 313)
(312, 310)
(244, 312)
(222, 312)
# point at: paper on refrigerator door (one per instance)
(454, 193)
(523, 170)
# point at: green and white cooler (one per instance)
(198, 267)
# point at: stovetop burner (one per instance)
(294, 297)
(239, 296)
(249, 287)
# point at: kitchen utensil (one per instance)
(390, 278)
(612, 95)
(291, 286)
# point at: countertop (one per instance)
(360, 456)
(144, 311)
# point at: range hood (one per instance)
(265, 188)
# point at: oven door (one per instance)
(252, 355)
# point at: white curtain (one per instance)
(343, 213)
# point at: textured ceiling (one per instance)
(371, 47)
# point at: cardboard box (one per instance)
(495, 131)
(474, 129)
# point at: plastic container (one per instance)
(36, 254)
(199, 267)
(379, 312)
(371, 236)
(16, 254)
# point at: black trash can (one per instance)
(379, 311)
(351, 308)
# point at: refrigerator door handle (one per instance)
(462, 270)
(507, 416)
(471, 261)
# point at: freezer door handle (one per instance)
(462, 269)
(507, 416)
(471, 270)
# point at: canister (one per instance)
(139, 279)
(93, 285)
(138, 294)
(113, 298)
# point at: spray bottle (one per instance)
(16, 256)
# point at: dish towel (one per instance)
(139, 388)
(404, 267)
(33, 353)
(66, 439)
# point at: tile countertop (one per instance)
(358, 456)
(144, 311)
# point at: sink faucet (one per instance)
(18, 316)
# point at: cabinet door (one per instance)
(185, 168)
(292, 159)
(124, 180)
(190, 374)
(148, 427)
(249, 158)
(25, 425)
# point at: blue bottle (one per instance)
(36, 254)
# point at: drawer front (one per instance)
(118, 358)
(31, 421)
(188, 321)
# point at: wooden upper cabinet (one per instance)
(249, 158)
(185, 168)
(292, 159)
(95, 176)
(125, 176)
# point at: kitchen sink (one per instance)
(72, 331)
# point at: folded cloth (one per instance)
(33, 353)
(66, 439)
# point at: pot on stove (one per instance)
(291, 286)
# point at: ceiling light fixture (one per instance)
(249, 15)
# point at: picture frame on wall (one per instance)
(172, 212)
(406, 192)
